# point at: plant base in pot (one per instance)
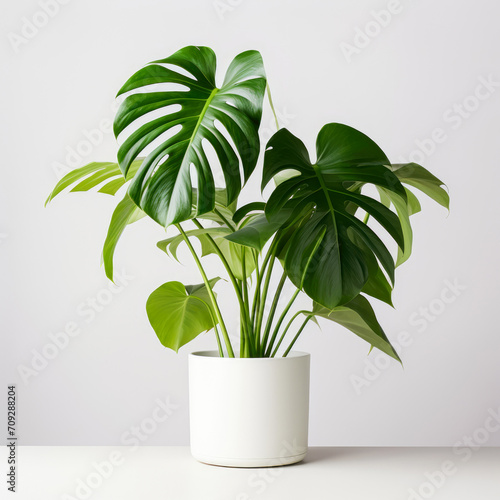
(249, 412)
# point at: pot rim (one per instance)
(213, 354)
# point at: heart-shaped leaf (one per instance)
(179, 313)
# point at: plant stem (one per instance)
(262, 305)
(272, 105)
(246, 317)
(297, 336)
(228, 224)
(272, 311)
(210, 292)
(256, 297)
(367, 216)
(260, 275)
(244, 284)
(219, 345)
(234, 281)
(242, 335)
(280, 321)
(289, 324)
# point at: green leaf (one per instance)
(163, 186)
(110, 178)
(179, 313)
(420, 178)
(89, 176)
(417, 176)
(171, 244)
(246, 209)
(223, 212)
(359, 317)
(377, 285)
(255, 230)
(232, 252)
(404, 209)
(413, 203)
(322, 257)
(256, 233)
(126, 212)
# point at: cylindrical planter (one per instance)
(249, 412)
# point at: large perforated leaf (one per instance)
(323, 257)
(182, 122)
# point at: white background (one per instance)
(60, 84)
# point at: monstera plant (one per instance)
(318, 230)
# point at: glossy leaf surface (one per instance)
(322, 257)
(178, 313)
(182, 122)
(358, 317)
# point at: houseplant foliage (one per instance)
(320, 228)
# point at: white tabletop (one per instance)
(327, 473)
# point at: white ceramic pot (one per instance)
(249, 412)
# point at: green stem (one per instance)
(280, 321)
(272, 105)
(242, 336)
(244, 284)
(289, 324)
(367, 216)
(219, 345)
(246, 317)
(256, 297)
(234, 281)
(244, 345)
(210, 292)
(262, 305)
(272, 312)
(260, 275)
(228, 224)
(297, 336)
